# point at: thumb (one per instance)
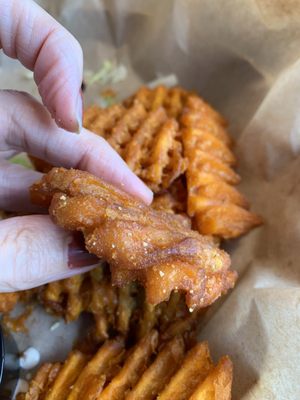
(34, 251)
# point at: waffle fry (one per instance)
(147, 140)
(155, 248)
(200, 115)
(127, 313)
(132, 370)
(195, 368)
(167, 133)
(159, 372)
(173, 100)
(120, 310)
(217, 385)
(102, 120)
(175, 372)
(182, 326)
(126, 306)
(8, 301)
(66, 376)
(88, 385)
(228, 221)
(217, 207)
(42, 381)
(91, 292)
(173, 200)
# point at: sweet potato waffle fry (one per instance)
(120, 310)
(173, 100)
(154, 248)
(8, 301)
(191, 124)
(218, 208)
(146, 140)
(116, 311)
(148, 370)
(42, 382)
(167, 133)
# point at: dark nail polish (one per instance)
(78, 256)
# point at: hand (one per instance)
(32, 249)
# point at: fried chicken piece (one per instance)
(142, 244)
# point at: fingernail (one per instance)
(143, 191)
(79, 112)
(78, 256)
(148, 197)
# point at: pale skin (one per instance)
(33, 250)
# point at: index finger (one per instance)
(41, 44)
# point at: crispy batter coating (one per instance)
(145, 371)
(152, 247)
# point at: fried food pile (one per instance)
(155, 248)
(116, 311)
(151, 369)
(170, 135)
(161, 275)
(147, 141)
(8, 301)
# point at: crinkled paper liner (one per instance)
(242, 56)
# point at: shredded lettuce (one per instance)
(167, 80)
(109, 72)
(22, 159)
